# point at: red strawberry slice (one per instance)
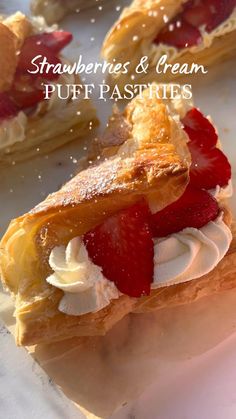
(26, 92)
(26, 98)
(7, 107)
(55, 41)
(179, 34)
(32, 49)
(197, 15)
(195, 208)
(220, 11)
(123, 247)
(209, 168)
(192, 3)
(199, 129)
(183, 31)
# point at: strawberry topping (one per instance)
(25, 99)
(180, 34)
(220, 11)
(55, 41)
(32, 49)
(122, 246)
(209, 168)
(8, 109)
(184, 29)
(198, 14)
(26, 92)
(195, 208)
(200, 129)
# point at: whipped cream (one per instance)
(222, 192)
(85, 288)
(191, 253)
(178, 258)
(12, 130)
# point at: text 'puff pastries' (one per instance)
(29, 124)
(185, 31)
(146, 226)
(55, 10)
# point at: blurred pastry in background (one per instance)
(185, 31)
(29, 124)
(54, 10)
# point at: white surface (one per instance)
(199, 388)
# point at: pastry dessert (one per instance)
(145, 225)
(54, 10)
(185, 31)
(29, 124)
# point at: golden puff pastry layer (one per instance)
(55, 122)
(13, 31)
(55, 10)
(138, 27)
(145, 161)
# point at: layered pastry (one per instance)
(184, 31)
(30, 124)
(145, 225)
(55, 10)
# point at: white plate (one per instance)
(199, 387)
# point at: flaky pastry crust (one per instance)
(13, 31)
(49, 129)
(147, 164)
(136, 30)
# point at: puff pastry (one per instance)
(49, 124)
(55, 10)
(143, 153)
(137, 29)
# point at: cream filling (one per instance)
(179, 257)
(173, 53)
(40, 25)
(12, 131)
(190, 254)
(85, 288)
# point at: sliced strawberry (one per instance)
(220, 11)
(55, 41)
(26, 92)
(183, 31)
(26, 98)
(197, 15)
(123, 247)
(199, 128)
(209, 168)
(32, 49)
(195, 208)
(192, 3)
(179, 34)
(8, 109)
